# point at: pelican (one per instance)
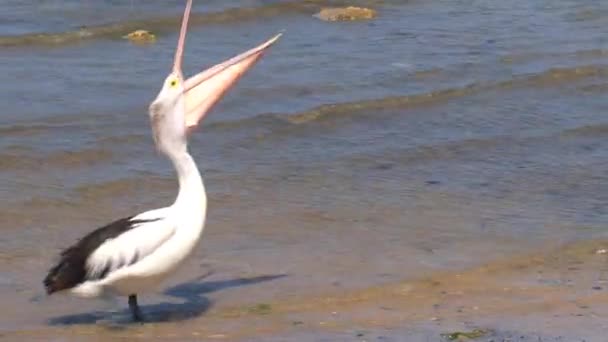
(136, 254)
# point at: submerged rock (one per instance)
(141, 37)
(346, 13)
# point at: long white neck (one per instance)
(167, 119)
(191, 201)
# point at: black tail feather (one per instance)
(62, 277)
(71, 270)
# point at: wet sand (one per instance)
(557, 294)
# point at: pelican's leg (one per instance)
(135, 312)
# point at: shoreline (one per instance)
(562, 282)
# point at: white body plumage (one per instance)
(162, 244)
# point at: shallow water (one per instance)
(439, 136)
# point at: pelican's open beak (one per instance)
(205, 89)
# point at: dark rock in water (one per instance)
(349, 13)
(384, 166)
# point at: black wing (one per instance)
(71, 268)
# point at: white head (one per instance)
(181, 104)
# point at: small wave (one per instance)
(125, 187)
(17, 157)
(24, 129)
(588, 15)
(21, 159)
(430, 152)
(601, 88)
(276, 123)
(161, 25)
(321, 112)
(557, 76)
(535, 56)
(80, 158)
(551, 77)
(429, 73)
(586, 131)
(122, 140)
(474, 147)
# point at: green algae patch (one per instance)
(466, 335)
(140, 37)
(349, 13)
(260, 309)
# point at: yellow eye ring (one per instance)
(173, 83)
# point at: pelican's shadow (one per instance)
(194, 305)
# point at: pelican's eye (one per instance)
(173, 83)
